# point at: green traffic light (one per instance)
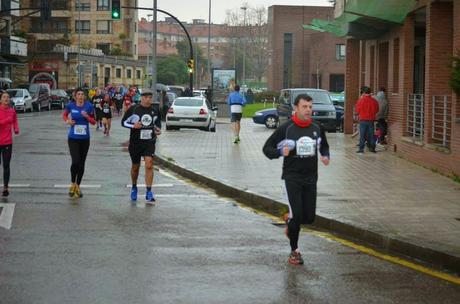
(115, 15)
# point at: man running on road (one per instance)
(236, 101)
(145, 124)
(298, 140)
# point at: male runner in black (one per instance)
(145, 124)
(299, 140)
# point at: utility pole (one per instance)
(209, 42)
(154, 52)
(244, 44)
(148, 54)
(79, 43)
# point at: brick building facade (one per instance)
(303, 58)
(413, 62)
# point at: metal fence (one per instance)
(415, 121)
(441, 120)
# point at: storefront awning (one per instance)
(365, 19)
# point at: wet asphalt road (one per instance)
(192, 247)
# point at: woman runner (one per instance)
(78, 115)
(8, 122)
(107, 105)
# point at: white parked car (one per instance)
(199, 93)
(21, 99)
(191, 112)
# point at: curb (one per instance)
(427, 255)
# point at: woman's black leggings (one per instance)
(6, 152)
(302, 208)
(78, 151)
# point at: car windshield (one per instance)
(16, 93)
(186, 102)
(319, 97)
(33, 88)
(196, 93)
(57, 92)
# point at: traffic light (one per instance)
(116, 9)
(190, 66)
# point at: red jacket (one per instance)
(367, 107)
(8, 122)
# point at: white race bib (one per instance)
(80, 130)
(146, 134)
(306, 146)
(106, 110)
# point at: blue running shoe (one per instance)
(149, 197)
(134, 194)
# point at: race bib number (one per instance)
(106, 111)
(305, 146)
(80, 130)
(146, 134)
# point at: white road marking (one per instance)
(166, 173)
(19, 185)
(6, 215)
(153, 186)
(81, 186)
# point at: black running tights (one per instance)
(302, 208)
(6, 152)
(78, 151)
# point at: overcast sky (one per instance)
(198, 9)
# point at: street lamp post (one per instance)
(154, 52)
(148, 53)
(209, 42)
(79, 43)
(244, 45)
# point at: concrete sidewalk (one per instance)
(379, 198)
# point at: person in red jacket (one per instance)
(367, 108)
(8, 122)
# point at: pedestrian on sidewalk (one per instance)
(236, 101)
(382, 115)
(145, 124)
(78, 116)
(298, 141)
(367, 108)
(8, 123)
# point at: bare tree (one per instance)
(253, 30)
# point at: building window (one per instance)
(83, 27)
(287, 62)
(83, 7)
(129, 74)
(107, 72)
(396, 65)
(103, 5)
(104, 47)
(138, 74)
(340, 51)
(104, 27)
(118, 73)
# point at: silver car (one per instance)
(191, 112)
(21, 99)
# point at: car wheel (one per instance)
(25, 108)
(168, 128)
(62, 105)
(49, 106)
(341, 127)
(271, 122)
(39, 108)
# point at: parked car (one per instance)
(338, 98)
(179, 90)
(59, 98)
(40, 95)
(323, 109)
(191, 112)
(199, 93)
(21, 99)
(267, 117)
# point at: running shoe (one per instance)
(134, 194)
(5, 192)
(235, 141)
(295, 258)
(78, 193)
(149, 197)
(238, 139)
(72, 190)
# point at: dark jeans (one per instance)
(366, 132)
(384, 129)
(78, 152)
(6, 152)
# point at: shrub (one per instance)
(259, 97)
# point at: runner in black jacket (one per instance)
(299, 140)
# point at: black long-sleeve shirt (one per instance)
(302, 161)
(149, 118)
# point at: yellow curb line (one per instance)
(395, 260)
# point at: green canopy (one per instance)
(365, 19)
